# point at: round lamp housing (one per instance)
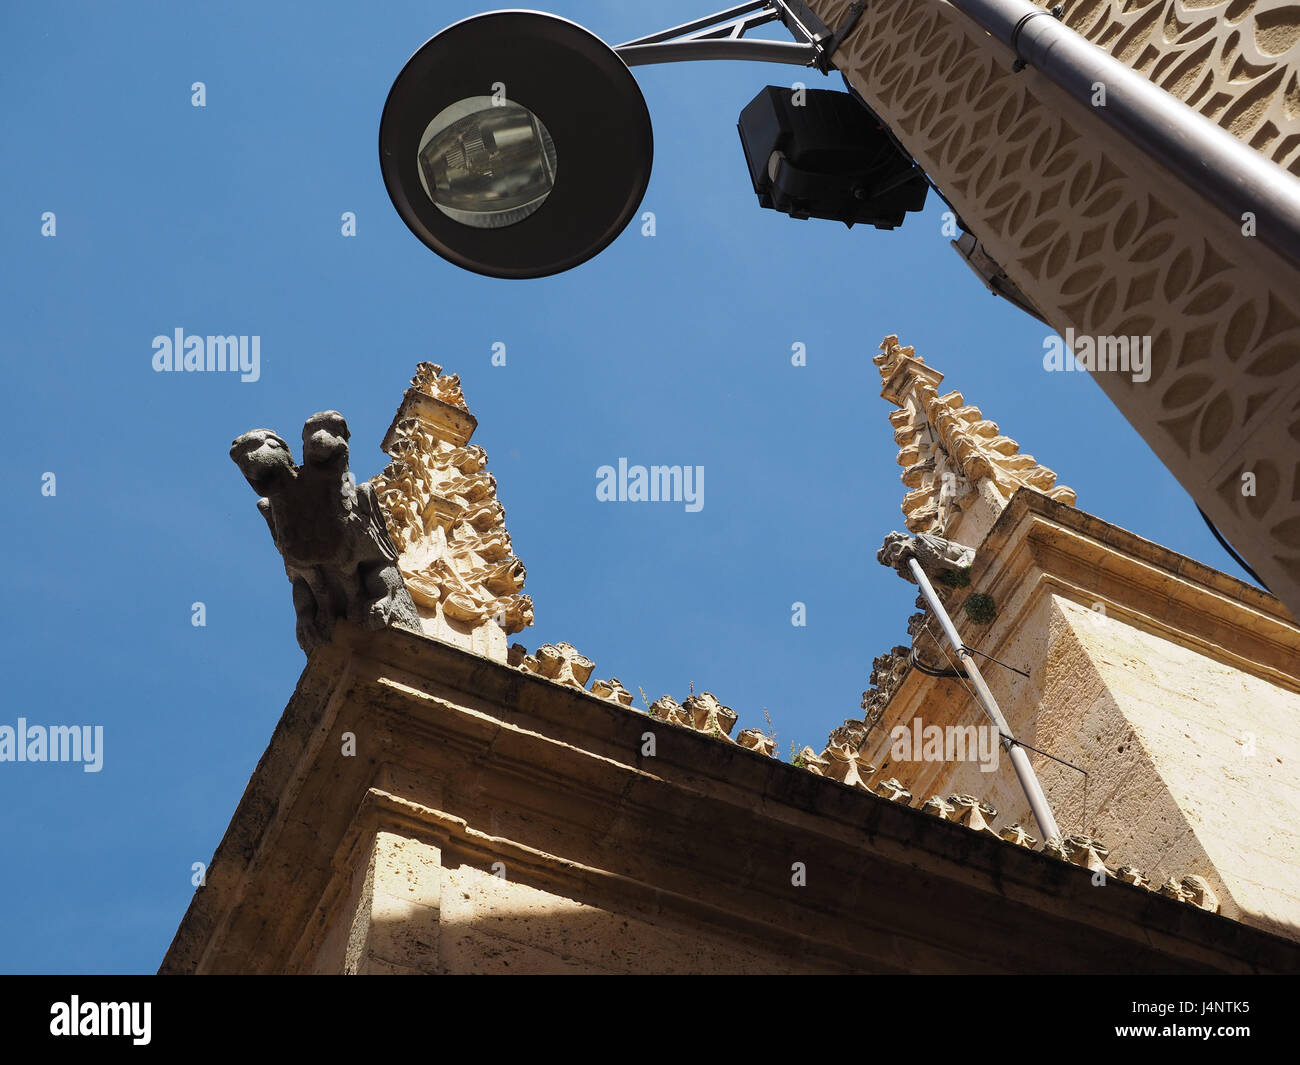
(516, 144)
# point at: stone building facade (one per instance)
(434, 801)
(1174, 687)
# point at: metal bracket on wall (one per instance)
(722, 36)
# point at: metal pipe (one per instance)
(1227, 172)
(801, 55)
(721, 36)
(700, 23)
(1019, 760)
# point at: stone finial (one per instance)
(755, 740)
(1087, 852)
(666, 708)
(888, 672)
(893, 790)
(330, 531)
(430, 380)
(844, 765)
(1197, 891)
(973, 813)
(895, 359)
(812, 761)
(1132, 875)
(447, 524)
(708, 715)
(944, 811)
(561, 663)
(1054, 848)
(852, 734)
(1017, 835)
(612, 690)
(948, 450)
(1171, 889)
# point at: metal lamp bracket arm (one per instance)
(722, 36)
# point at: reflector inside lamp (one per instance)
(487, 163)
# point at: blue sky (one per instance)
(666, 349)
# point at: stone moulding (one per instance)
(563, 664)
(1219, 615)
(559, 662)
(710, 716)
(479, 763)
(1081, 850)
(612, 689)
(1016, 834)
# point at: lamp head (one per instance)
(516, 144)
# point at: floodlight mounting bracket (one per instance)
(722, 36)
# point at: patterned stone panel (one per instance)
(1109, 245)
(1236, 61)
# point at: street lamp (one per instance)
(517, 144)
(552, 174)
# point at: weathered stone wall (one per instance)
(429, 910)
(1149, 674)
(1221, 744)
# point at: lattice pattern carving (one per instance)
(1235, 61)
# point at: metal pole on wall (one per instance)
(1019, 760)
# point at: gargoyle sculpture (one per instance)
(329, 530)
(935, 554)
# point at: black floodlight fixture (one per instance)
(516, 144)
(817, 153)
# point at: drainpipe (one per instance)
(1019, 760)
(1228, 173)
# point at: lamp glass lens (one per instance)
(487, 163)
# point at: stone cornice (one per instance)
(1038, 545)
(490, 759)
